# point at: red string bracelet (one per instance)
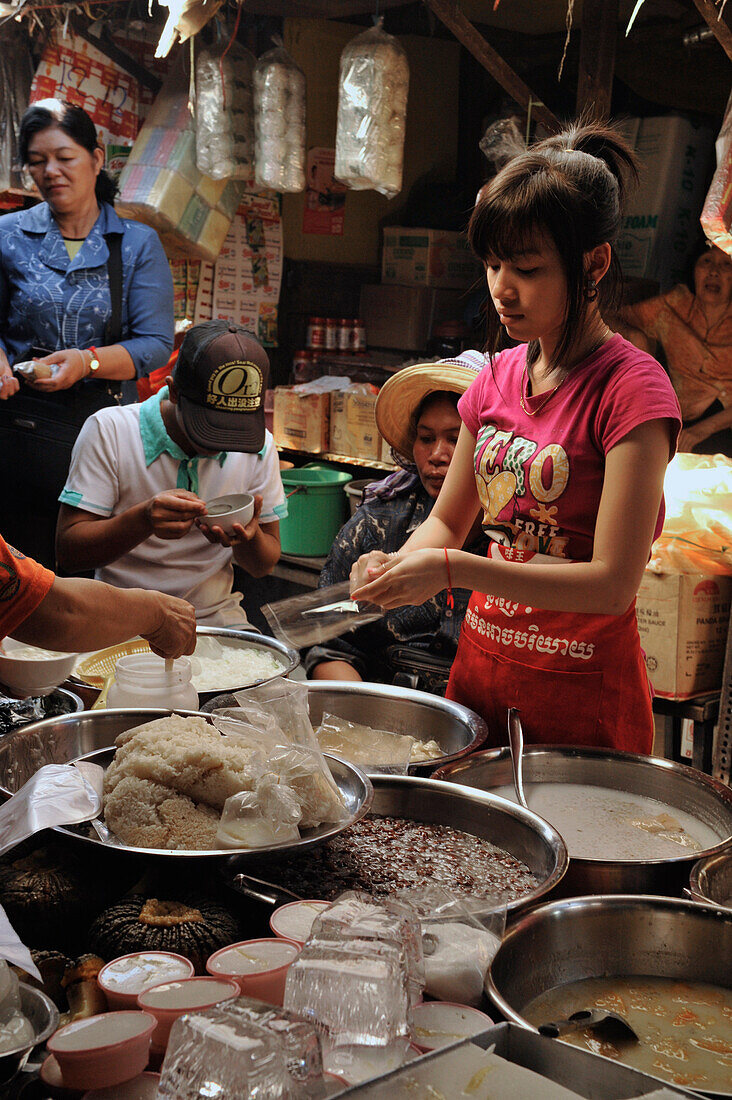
(450, 598)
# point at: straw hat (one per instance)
(400, 397)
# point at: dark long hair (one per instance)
(75, 122)
(571, 187)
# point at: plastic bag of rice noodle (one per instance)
(279, 121)
(225, 112)
(372, 113)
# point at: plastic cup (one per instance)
(259, 967)
(294, 920)
(437, 1023)
(169, 1000)
(123, 979)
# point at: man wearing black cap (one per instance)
(133, 507)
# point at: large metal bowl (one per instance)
(520, 832)
(674, 784)
(43, 1015)
(456, 729)
(710, 879)
(91, 734)
(240, 639)
(618, 935)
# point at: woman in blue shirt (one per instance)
(82, 291)
(55, 301)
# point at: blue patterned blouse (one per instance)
(50, 301)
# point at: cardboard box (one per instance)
(683, 620)
(428, 257)
(301, 422)
(404, 316)
(661, 222)
(352, 424)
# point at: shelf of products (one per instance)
(347, 460)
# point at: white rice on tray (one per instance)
(233, 667)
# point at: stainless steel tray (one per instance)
(456, 729)
(90, 735)
(590, 1075)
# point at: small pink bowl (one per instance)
(264, 984)
(103, 1050)
(462, 1020)
(179, 967)
(284, 912)
(192, 995)
(144, 1087)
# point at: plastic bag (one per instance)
(279, 121)
(372, 111)
(58, 794)
(374, 750)
(697, 530)
(225, 112)
(318, 616)
(716, 217)
(16, 72)
(501, 142)
(270, 814)
(459, 940)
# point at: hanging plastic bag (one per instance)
(372, 113)
(697, 530)
(377, 751)
(279, 121)
(225, 112)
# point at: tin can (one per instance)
(301, 361)
(344, 334)
(357, 340)
(331, 333)
(316, 332)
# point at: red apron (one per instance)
(576, 679)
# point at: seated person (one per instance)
(72, 614)
(416, 412)
(133, 507)
(694, 331)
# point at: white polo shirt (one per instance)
(123, 456)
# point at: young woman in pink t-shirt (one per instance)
(564, 445)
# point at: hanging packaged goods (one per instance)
(162, 186)
(716, 218)
(224, 112)
(372, 110)
(279, 120)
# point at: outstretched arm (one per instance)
(79, 614)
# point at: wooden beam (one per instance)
(597, 56)
(110, 49)
(720, 28)
(447, 12)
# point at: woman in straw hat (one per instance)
(416, 413)
(563, 450)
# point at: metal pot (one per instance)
(43, 1015)
(456, 729)
(250, 639)
(711, 879)
(520, 832)
(619, 935)
(674, 784)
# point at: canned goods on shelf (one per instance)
(316, 332)
(357, 336)
(331, 333)
(344, 334)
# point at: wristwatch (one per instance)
(94, 363)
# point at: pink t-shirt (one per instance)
(540, 478)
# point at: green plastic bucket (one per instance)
(316, 509)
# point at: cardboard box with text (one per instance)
(301, 422)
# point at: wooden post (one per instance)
(719, 26)
(447, 12)
(597, 56)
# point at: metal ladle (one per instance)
(608, 1025)
(516, 743)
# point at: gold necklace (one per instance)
(525, 378)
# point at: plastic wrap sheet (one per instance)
(316, 617)
(279, 104)
(372, 112)
(697, 530)
(225, 112)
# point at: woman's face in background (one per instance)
(713, 278)
(63, 171)
(438, 428)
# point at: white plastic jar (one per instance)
(141, 680)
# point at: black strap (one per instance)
(113, 330)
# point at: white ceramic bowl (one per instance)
(224, 512)
(30, 676)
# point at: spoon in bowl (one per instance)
(516, 743)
